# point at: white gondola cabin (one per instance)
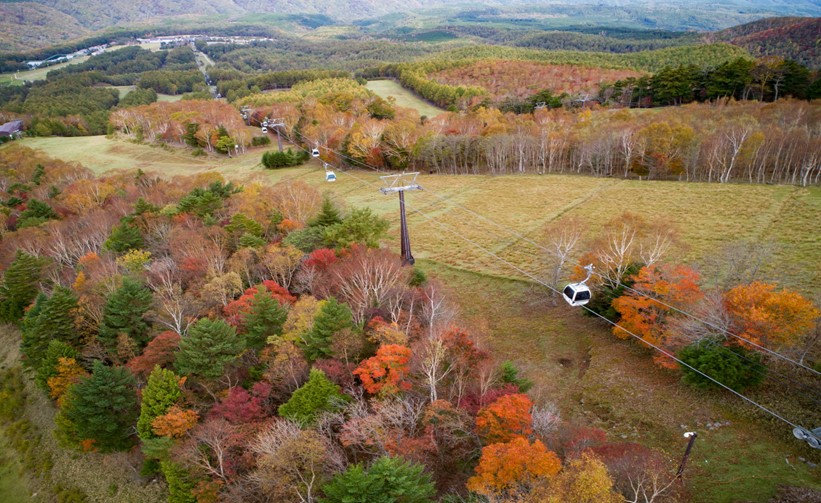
(578, 294)
(264, 129)
(315, 152)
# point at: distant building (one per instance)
(13, 129)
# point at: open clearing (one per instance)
(18, 78)
(38, 73)
(574, 361)
(404, 98)
(124, 90)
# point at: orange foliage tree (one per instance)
(68, 372)
(763, 315)
(645, 313)
(386, 372)
(175, 423)
(506, 418)
(507, 468)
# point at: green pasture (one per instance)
(18, 78)
(403, 97)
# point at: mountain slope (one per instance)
(795, 38)
(45, 22)
(28, 25)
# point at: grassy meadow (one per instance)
(124, 90)
(404, 97)
(19, 78)
(574, 361)
(600, 381)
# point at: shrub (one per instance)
(275, 159)
(734, 366)
(260, 141)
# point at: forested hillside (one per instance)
(789, 38)
(502, 21)
(27, 25)
(200, 299)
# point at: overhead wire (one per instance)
(542, 247)
(432, 219)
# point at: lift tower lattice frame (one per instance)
(400, 183)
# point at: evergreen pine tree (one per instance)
(361, 226)
(52, 318)
(388, 480)
(123, 314)
(330, 319)
(265, 319)
(327, 216)
(38, 209)
(31, 343)
(208, 347)
(48, 365)
(102, 408)
(20, 285)
(125, 236)
(317, 395)
(161, 392)
(180, 483)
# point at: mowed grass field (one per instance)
(596, 379)
(37, 73)
(404, 97)
(124, 90)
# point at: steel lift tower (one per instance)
(400, 183)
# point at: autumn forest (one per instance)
(202, 300)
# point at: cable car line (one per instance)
(434, 220)
(681, 311)
(534, 243)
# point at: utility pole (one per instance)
(692, 436)
(401, 183)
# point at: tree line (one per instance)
(726, 141)
(74, 101)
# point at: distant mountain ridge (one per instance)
(38, 23)
(796, 38)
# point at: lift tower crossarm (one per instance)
(396, 183)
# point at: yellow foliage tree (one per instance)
(175, 423)
(584, 480)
